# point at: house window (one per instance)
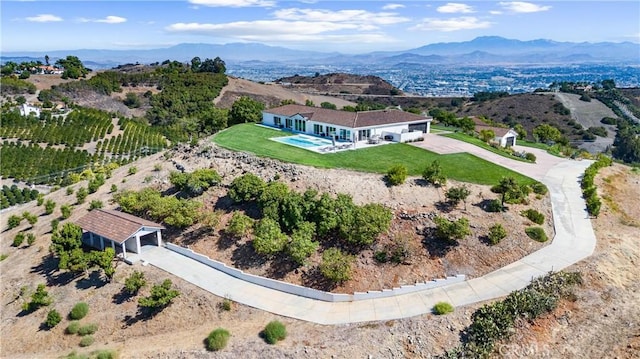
(345, 134)
(288, 123)
(331, 130)
(317, 129)
(277, 121)
(300, 125)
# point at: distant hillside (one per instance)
(340, 83)
(529, 110)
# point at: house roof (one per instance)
(114, 225)
(346, 118)
(497, 131)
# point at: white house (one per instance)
(506, 137)
(121, 231)
(395, 125)
(26, 110)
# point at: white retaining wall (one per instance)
(310, 292)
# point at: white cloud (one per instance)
(523, 7)
(495, 12)
(455, 8)
(251, 30)
(112, 20)
(392, 6)
(44, 18)
(234, 3)
(361, 17)
(107, 20)
(452, 24)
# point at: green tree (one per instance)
(365, 224)
(487, 135)
(245, 109)
(161, 296)
(545, 133)
(246, 188)
(131, 100)
(269, 239)
(53, 318)
(217, 339)
(451, 231)
(433, 174)
(397, 175)
(466, 124)
(13, 221)
(302, 245)
(214, 120)
(134, 282)
(508, 187)
(336, 265)
(239, 225)
(73, 67)
(328, 105)
(40, 298)
(456, 194)
(522, 133)
(49, 206)
(65, 210)
(81, 194)
(496, 234)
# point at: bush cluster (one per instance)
(53, 318)
(496, 234)
(534, 216)
(396, 175)
(217, 339)
(79, 311)
(589, 191)
(442, 308)
(495, 322)
(149, 202)
(536, 233)
(274, 332)
(195, 183)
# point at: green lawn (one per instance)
(460, 166)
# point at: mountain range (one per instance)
(482, 50)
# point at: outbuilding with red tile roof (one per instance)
(122, 231)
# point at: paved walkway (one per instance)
(573, 242)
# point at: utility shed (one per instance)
(122, 231)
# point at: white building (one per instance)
(393, 125)
(26, 110)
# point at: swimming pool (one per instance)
(303, 141)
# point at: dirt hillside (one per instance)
(603, 322)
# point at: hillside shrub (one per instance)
(18, 239)
(246, 188)
(336, 265)
(65, 210)
(442, 308)
(31, 218)
(134, 282)
(95, 204)
(268, 238)
(539, 188)
(530, 157)
(13, 221)
(534, 216)
(274, 332)
(451, 231)
(72, 328)
(87, 329)
(536, 233)
(217, 339)
(54, 224)
(49, 206)
(239, 225)
(31, 239)
(53, 318)
(161, 296)
(87, 341)
(496, 234)
(396, 175)
(79, 311)
(132, 170)
(434, 174)
(114, 188)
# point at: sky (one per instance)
(346, 26)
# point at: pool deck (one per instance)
(329, 147)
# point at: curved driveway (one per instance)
(573, 242)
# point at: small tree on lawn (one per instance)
(456, 194)
(161, 296)
(434, 174)
(336, 265)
